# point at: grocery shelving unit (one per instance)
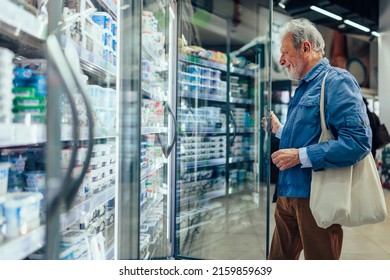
(27, 37)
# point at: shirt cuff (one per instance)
(278, 133)
(304, 158)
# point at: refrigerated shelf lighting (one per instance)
(358, 26)
(325, 12)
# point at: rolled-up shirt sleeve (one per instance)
(278, 133)
(304, 158)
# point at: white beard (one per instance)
(295, 73)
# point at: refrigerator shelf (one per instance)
(66, 133)
(153, 130)
(110, 7)
(161, 65)
(147, 93)
(16, 134)
(241, 100)
(200, 224)
(21, 247)
(245, 130)
(215, 65)
(207, 196)
(153, 204)
(203, 163)
(22, 25)
(218, 98)
(94, 65)
(199, 128)
(151, 169)
(77, 212)
(241, 159)
(98, 67)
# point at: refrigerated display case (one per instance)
(145, 192)
(88, 39)
(150, 187)
(22, 122)
(221, 189)
(61, 114)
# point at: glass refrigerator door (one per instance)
(83, 53)
(147, 116)
(157, 128)
(222, 179)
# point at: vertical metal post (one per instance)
(173, 63)
(227, 167)
(53, 144)
(127, 198)
(270, 22)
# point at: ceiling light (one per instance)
(375, 33)
(324, 12)
(341, 26)
(358, 26)
(282, 3)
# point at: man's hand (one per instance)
(275, 123)
(286, 158)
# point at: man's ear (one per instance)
(306, 46)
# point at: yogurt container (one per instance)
(36, 180)
(21, 211)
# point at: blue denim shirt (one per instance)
(345, 115)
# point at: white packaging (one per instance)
(96, 244)
(21, 211)
(6, 56)
(36, 180)
(4, 169)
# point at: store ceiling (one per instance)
(251, 24)
(363, 12)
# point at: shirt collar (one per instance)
(320, 67)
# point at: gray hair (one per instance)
(302, 30)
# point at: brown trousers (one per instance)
(296, 230)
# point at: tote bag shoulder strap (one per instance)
(322, 109)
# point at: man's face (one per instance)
(291, 59)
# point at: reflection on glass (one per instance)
(154, 128)
(221, 189)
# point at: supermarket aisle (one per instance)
(242, 236)
(369, 242)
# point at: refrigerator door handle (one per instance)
(72, 82)
(167, 149)
(170, 147)
(233, 121)
(57, 56)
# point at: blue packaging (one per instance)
(40, 83)
(114, 28)
(22, 73)
(102, 19)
